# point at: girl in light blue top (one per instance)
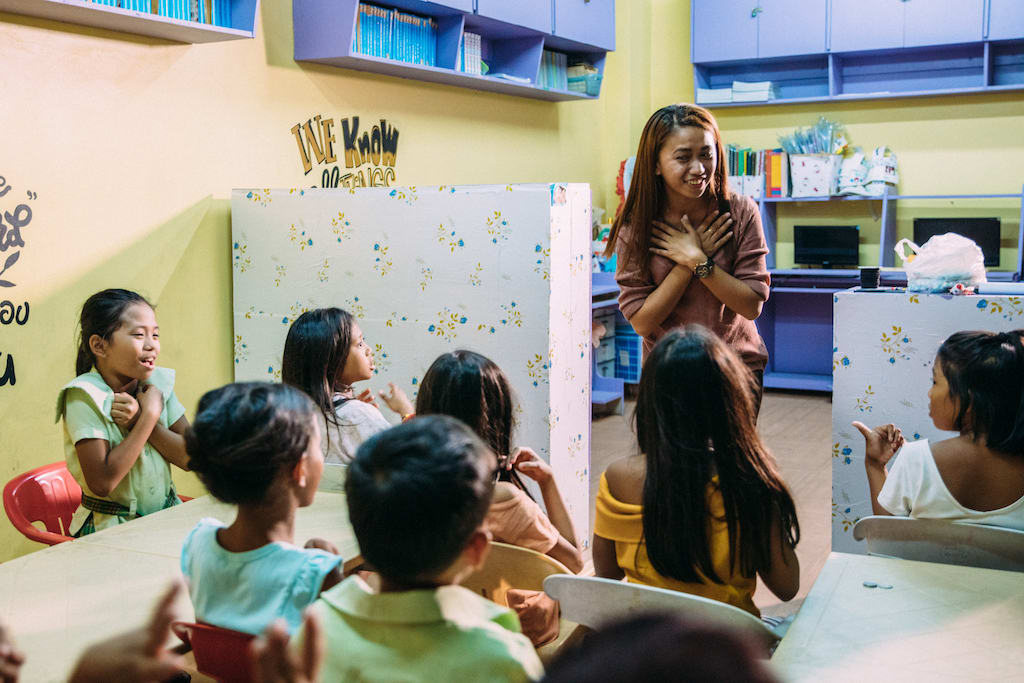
(123, 425)
(256, 445)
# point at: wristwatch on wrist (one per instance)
(703, 270)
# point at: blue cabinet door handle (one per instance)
(754, 12)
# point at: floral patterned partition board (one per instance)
(499, 269)
(884, 345)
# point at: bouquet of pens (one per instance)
(815, 154)
(824, 137)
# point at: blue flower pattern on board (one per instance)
(1011, 307)
(895, 344)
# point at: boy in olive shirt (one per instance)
(417, 496)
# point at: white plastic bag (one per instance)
(941, 262)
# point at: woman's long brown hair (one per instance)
(646, 198)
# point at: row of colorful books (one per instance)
(389, 33)
(469, 59)
(744, 161)
(753, 172)
(554, 71)
(187, 10)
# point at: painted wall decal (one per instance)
(15, 215)
(367, 155)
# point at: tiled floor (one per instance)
(797, 428)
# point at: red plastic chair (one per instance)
(47, 494)
(220, 653)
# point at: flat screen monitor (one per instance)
(826, 245)
(984, 232)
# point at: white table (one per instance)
(937, 623)
(63, 598)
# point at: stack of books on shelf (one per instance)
(747, 171)
(776, 172)
(741, 91)
(469, 54)
(584, 77)
(553, 71)
(185, 10)
(758, 91)
(388, 33)
(714, 95)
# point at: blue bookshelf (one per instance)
(242, 15)
(513, 39)
(849, 50)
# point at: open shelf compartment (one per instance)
(85, 13)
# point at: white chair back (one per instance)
(938, 540)
(594, 602)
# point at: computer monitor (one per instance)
(984, 232)
(826, 245)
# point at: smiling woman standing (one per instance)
(690, 251)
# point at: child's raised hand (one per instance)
(323, 544)
(139, 655)
(11, 658)
(397, 401)
(274, 662)
(880, 443)
(150, 399)
(529, 463)
(124, 410)
(366, 396)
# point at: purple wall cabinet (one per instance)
(513, 35)
(589, 22)
(943, 22)
(723, 30)
(866, 24)
(535, 14)
(1006, 20)
(875, 49)
(791, 27)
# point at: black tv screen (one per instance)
(826, 245)
(984, 232)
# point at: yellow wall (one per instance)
(133, 147)
(124, 139)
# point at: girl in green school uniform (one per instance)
(123, 425)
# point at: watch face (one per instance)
(703, 270)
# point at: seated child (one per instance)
(257, 446)
(123, 425)
(324, 355)
(673, 649)
(417, 496)
(702, 509)
(472, 388)
(977, 390)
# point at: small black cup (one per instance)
(868, 277)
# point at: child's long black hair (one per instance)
(315, 352)
(101, 315)
(985, 372)
(695, 419)
(469, 386)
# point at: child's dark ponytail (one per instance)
(985, 373)
(101, 315)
